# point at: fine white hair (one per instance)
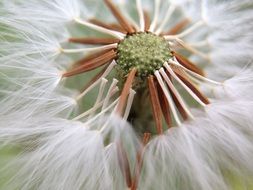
(62, 154)
(203, 153)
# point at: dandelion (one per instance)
(158, 95)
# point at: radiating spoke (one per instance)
(98, 28)
(121, 19)
(190, 85)
(177, 28)
(156, 15)
(165, 107)
(197, 76)
(138, 165)
(194, 96)
(165, 20)
(93, 85)
(126, 91)
(92, 64)
(90, 57)
(188, 64)
(182, 107)
(124, 164)
(141, 15)
(92, 40)
(168, 97)
(187, 47)
(156, 107)
(129, 103)
(89, 49)
(114, 27)
(191, 29)
(147, 21)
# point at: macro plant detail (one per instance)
(146, 52)
(158, 95)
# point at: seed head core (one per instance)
(144, 51)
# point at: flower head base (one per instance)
(144, 51)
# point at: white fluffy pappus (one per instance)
(237, 87)
(49, 11)
(228, 26)
(26, 40)
(203, 154)
(63, 154)
(32, 85)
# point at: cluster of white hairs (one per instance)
(65, 147)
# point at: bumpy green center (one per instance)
(145, 51)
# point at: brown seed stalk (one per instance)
(147, 21)
(188, 64)
(118, 28)
(156, 107)
(125, 91)
(90, 40)
(121, 19)
(183, 77)
(94, 79)
(90, 57)
(178, 27)
(92, 64)
(165, 107)
(114, 27)
(124, 164)
(180, 107)
(178, 104)
(138, 166)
